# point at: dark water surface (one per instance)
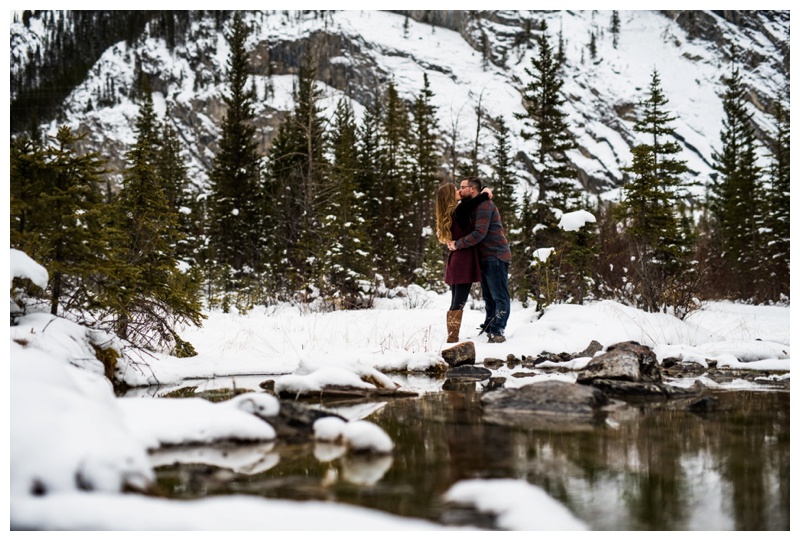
(645, 467)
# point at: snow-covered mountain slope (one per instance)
(360, 51)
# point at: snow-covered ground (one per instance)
(75, 446)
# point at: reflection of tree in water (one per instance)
(465, 435)
(654, 463)
(657, 490)
(657, 467)
(754, 460)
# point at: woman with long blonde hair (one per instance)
(462, 269)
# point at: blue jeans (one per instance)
(494, 286)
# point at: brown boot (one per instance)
(453, 325)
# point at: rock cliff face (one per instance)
(474, 58)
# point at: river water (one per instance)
(643, 467)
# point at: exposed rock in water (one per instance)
(475, 373)
(705, 404)
(679, 368)
(632, 389)
(460, 385)
(626, 361)
(525, 374)
(550, 396)
(460, 354)
(546, 356)
(496, 382)
(491, 362)
(546, 405)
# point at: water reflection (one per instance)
(247, 459)
(646, 467)
(365, 470)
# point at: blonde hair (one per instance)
(445, 209)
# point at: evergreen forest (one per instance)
(340, 210)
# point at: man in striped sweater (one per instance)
(495, 258)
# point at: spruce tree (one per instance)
(504, 180)
(579, 256)
(737, 199)
(425, 161)
(593, 45)
(546, 125)
(298, 177)
(522, 282)
(278, 181)
(309, 126)
(370, 182)
(615, 27)
(58, 217)
(28, 178)
(395, 220)
(649, 209)
(149, 295)
(346, 260)
(182, 198)
(778, 199)
(235, 233)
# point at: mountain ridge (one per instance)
(359, 52)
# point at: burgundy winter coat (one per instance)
(463, 266)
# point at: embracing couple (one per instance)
(468, 222)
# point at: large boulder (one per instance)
(546, 396)
(460, 354)
(626, 361)
(546, 405)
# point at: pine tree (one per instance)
(28, 178)
(344, 238)
(546, 125)
(425, 161)
(737, 195)
(615, 27)
(58, 217)
(314, 189)
(504, 180)
(522, 282)
(778, 197)
(593, 45)
(395, 220)
(298, 175)
(235, 225)
(182, 198)
(649, 209)
(278, 182)
(579, 255)
(370, 182)
(148, 294)
(486, 51)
